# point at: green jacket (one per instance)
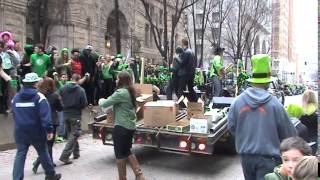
(123, 109)
(216, 65)
(276, 175)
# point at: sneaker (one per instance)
(76, 156)
(66, 161)
(58, 139)
(53, 177)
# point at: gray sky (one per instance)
(306, 24)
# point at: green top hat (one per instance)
(260, 69)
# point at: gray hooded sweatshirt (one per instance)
(259, 123)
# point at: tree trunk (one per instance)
(194, 31)
(118, 34)
(165, 30)
(172, 39)
(204, 21)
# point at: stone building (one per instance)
(92, 22)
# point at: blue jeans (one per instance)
(216, 86)
(255, 166)
(61, 128)
(22, 150)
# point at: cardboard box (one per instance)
(159, 113)
(141, 100)
(143, 89)
(195, 108)
(200, 124)
(179, 126)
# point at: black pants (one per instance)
(255, 166)
(184, 81)
(122, 142)
(173, 85)
(73, 128)
(49, 145)
(89, 89)
(107, 89)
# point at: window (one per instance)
(160, 34)
(146, 35)
(198, 49)
(160, 16)
(198, 34)
(215, 17)
(151, 37)
(199, 18)
(147, 7)
(152, 12)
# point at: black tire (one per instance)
(226, 145)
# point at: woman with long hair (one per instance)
(310, 117)
(48, 88)
(124, 108)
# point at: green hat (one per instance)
(28, 48)
(294, 111)
(260, 69)
(119, 56)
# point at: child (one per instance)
(292, 150)
(306, 169)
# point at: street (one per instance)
(97, 162)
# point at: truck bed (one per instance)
(161, 138)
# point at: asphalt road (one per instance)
(97, 162)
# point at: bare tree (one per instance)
(208, 7)
(219, 15)
(242, 27)
(163, 47)
(42, 14)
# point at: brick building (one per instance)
(92, 22)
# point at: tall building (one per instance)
(93, 22)
(283, 51)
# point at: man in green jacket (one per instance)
(217, 72)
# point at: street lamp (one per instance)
(107, 41)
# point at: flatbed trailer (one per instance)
(163, 139)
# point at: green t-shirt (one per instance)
(107, 71)
(216, 65)
(40, 63)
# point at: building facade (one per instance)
(284, 54)
(93, 22)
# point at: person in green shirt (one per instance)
(107, 77)
(217, 72)
(124, 107)
(40, 62)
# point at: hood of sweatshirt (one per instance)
(28, 93)
(71, 87)
(255, 97)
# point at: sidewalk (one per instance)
(7, 128)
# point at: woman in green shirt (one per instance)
(124, 108)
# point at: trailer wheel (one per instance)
(226, 145)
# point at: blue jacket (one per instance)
(259, 123)
(32, 116)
